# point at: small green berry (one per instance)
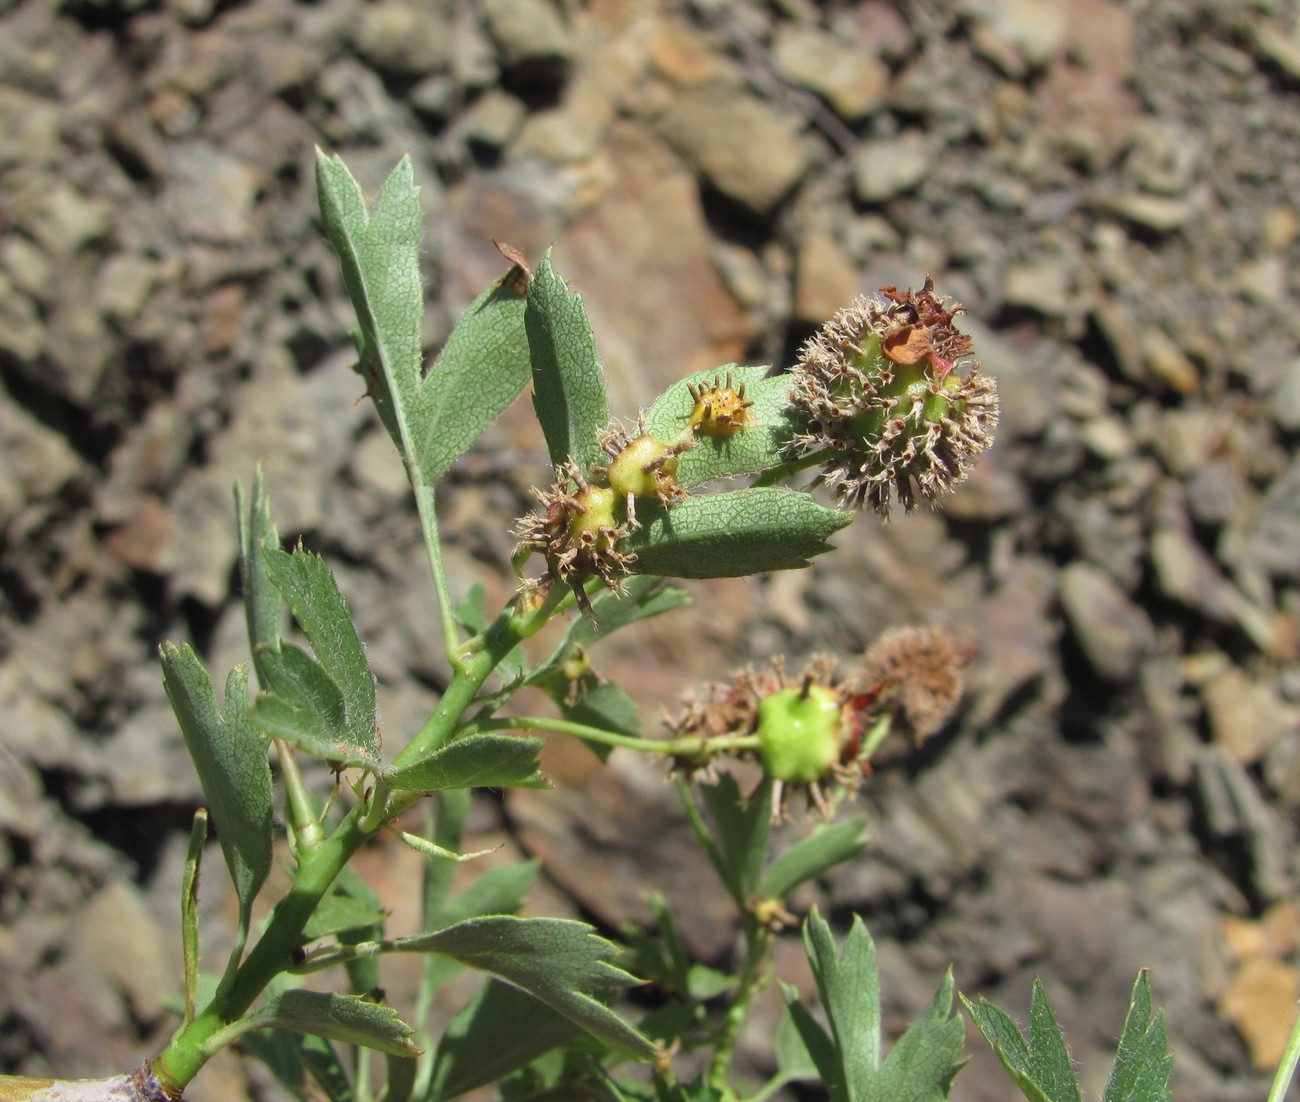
(800, 732)
(644, 468)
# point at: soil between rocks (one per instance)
(1112, 189)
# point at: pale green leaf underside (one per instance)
(350, 1019)
(485, 363)
(229, 754)
(475, 761)
(379, 255)
(561, 962)
(734, 534)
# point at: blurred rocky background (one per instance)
(1110, 187)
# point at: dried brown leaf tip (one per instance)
(889, 402)
(517, 277)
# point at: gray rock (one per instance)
(1216, 492)
(528, 33)
(852, 81)
(1018, 35)
(1114, 633)
(888, 167)
(404, 38)
(738, 143)
(1284, 401)
(1270, 541)
(210, 194)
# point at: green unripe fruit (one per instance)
(593, 512)
(799, 733)
(645, 468)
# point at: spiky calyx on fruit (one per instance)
(883, 400)
(578, 534)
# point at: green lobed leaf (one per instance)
(733, 535)
(499, 1031)
(1040, 1068)
(313, 596)
(925, 1059)
(849, 984)
(475, 761)
(351, 1019)
(813, 855)
(563, 963)
(753, 448)
(379, 256)
(1143, 1063)
(568, 380)
(229, 753)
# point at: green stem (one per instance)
(189, 1050)
(759, 940)
(1285, 1071)
(426, 506)
(692, 746)
(300, 809)
(792, 467)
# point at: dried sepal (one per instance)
(879, 398)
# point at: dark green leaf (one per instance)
(481, 369)
(849, 984)
(1041, 1068)
(379, 255)
(338, 912)
(229, 753)
(475, 761)
(561, 962)
(813, 855)
(303, 706)
(291, 1056)
(568, 380)
(1143, 1064)
(818, 1043)
(753, 448)
(307, 585)
(734, 534)
(743, 826)
(347, 1018)
(925, 1059)
(500, 1030)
